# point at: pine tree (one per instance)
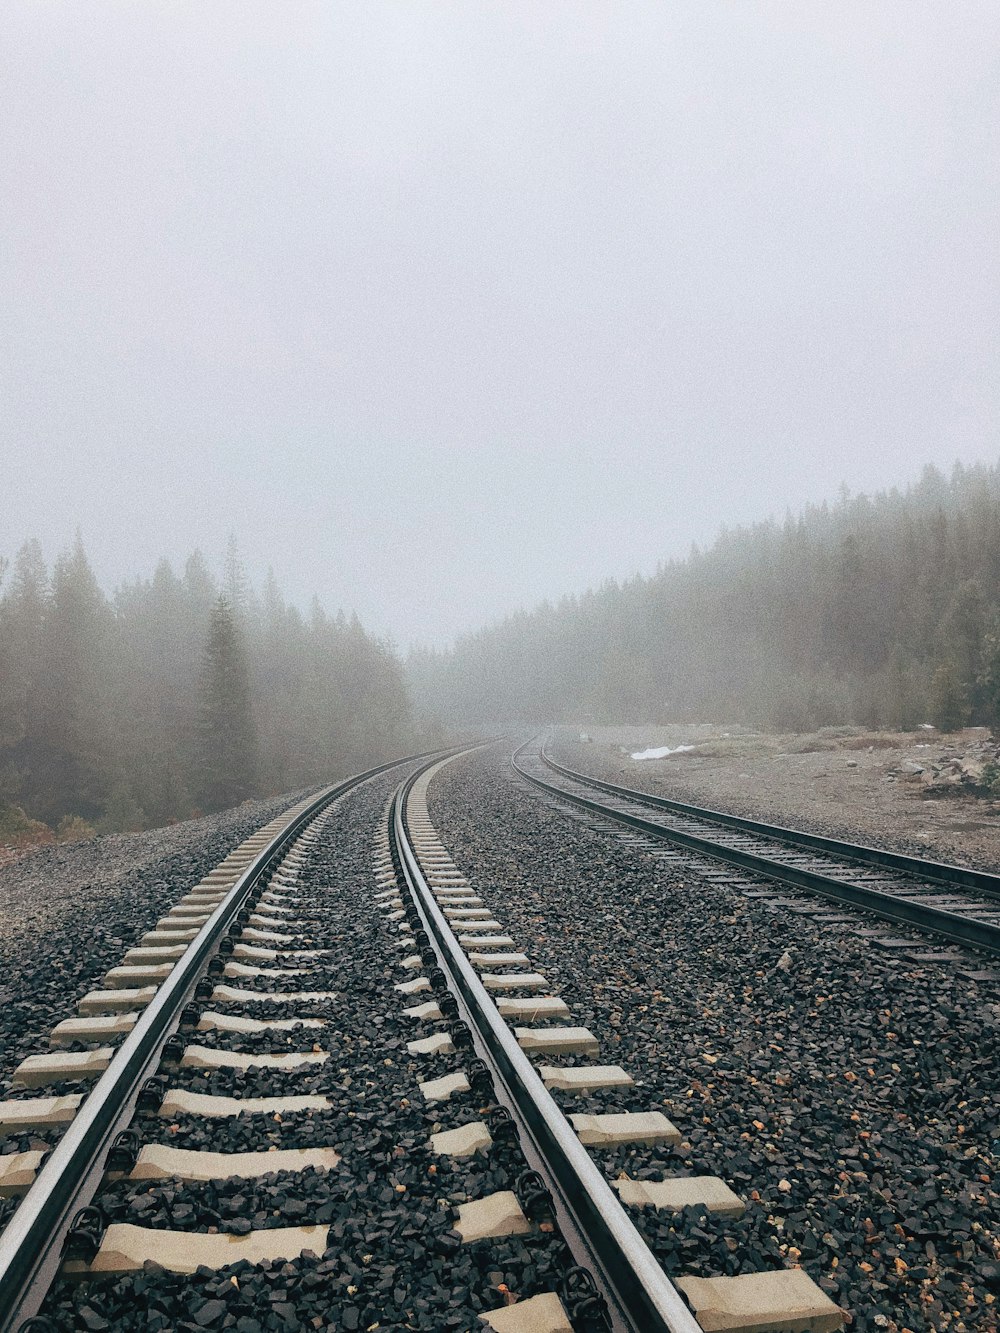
(22, 620)
(64, 753)
(236, 585)
(962, 632)
(227, 735)
(949, 698)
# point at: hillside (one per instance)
(879, 610)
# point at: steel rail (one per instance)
(967, 931)
(32, 1243)
(937, 872)
(642, 1298)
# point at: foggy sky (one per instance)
(446, 307)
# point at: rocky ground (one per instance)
(393, 1260)
(69, 912)
(849, 1098)
(918, 792)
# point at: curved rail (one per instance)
(969, 931)
(641, 1297)
(937, 872)
(32, 1243)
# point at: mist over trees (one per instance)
(882, 611)
(182, 693)
(177, 695)
(227, 733)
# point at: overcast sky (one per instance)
(447, 307)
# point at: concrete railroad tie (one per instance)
(178, 1101)
(157, 1161)
(126, 1248)
(761, 1303)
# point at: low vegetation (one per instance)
(17, 830)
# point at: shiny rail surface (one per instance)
(641, 1298)
(902, 889)
(31, 1248)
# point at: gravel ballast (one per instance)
(393, 1260)
(849, 1097)
(68, 913)
(866, 787)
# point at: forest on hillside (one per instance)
(179, 694)
(882, 611)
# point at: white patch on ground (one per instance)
(662, 752)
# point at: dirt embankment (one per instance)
(920, 792)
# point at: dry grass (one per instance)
(732, 747)
(878, 740)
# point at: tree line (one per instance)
(179, 694)
(882, 611)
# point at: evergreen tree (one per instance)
(236, 587)
(105, 713)
(948, 697)
(962, 632)
(22, 626)
(845, 615)
(64, 752)
(227, 735)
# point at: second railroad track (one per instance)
(952, 903)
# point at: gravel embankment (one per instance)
(68, 913)
(849, 1098)
(843, 790)
(393, 1261)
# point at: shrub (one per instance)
(19, 830)
(72, 828)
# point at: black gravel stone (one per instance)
(849, 1098)
(390, 1203)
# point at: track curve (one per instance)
(902, 889)
(32, 1245)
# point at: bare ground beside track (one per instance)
(838, 786)
(53, 886)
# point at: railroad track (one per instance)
(124, 1031)
(522, 1036)
(256, 1025)
(952, 903)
